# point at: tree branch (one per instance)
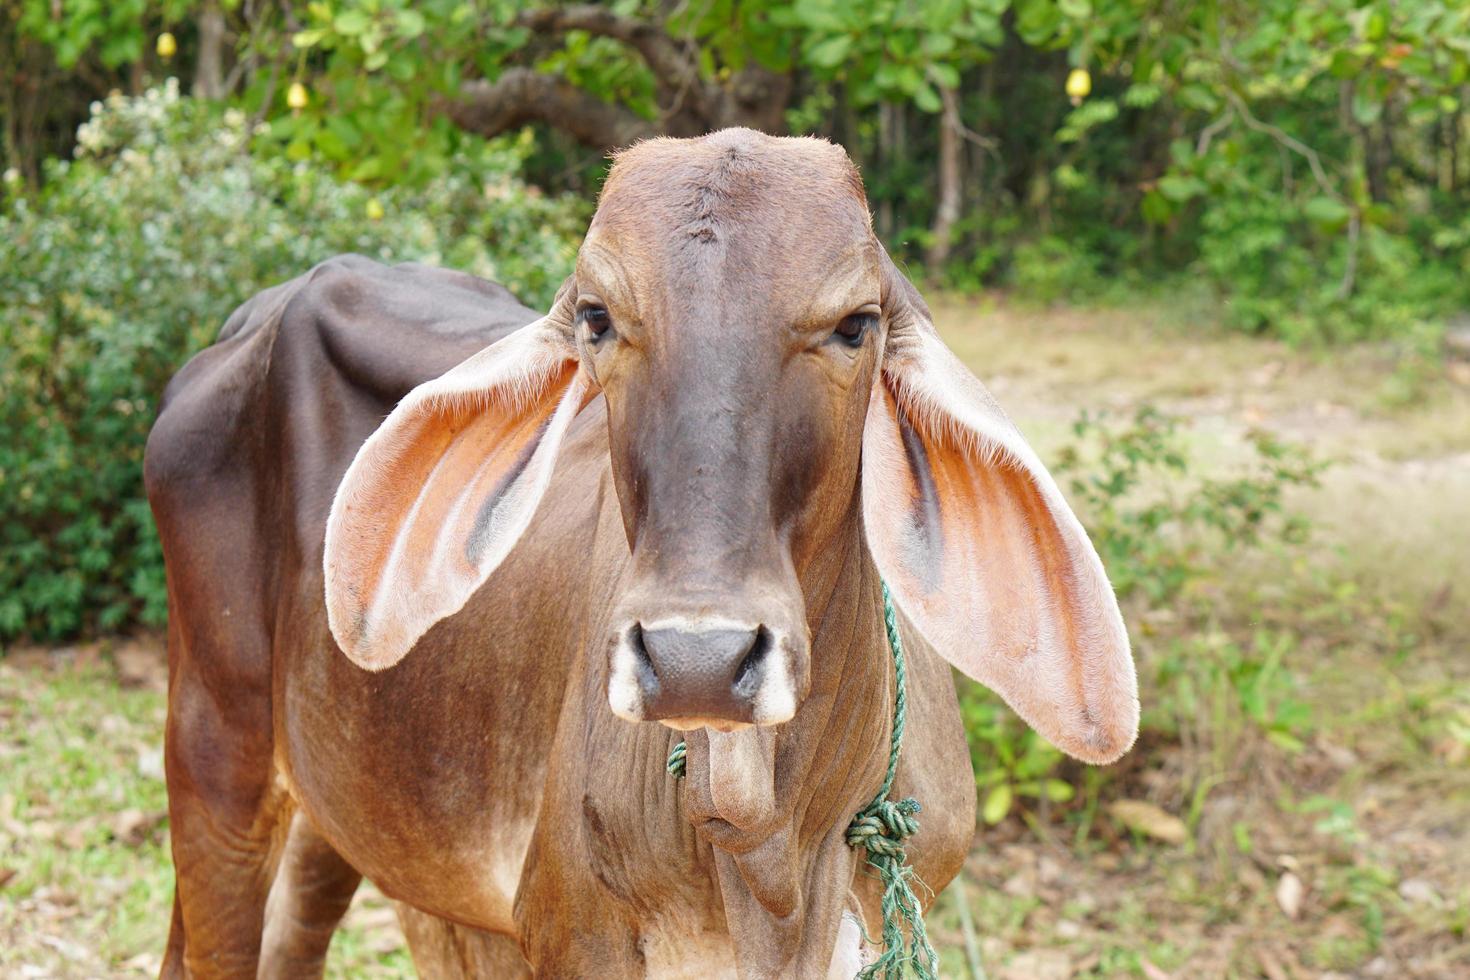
(1287, 140)
(1350, 269)
(672, 64)
(521, 95)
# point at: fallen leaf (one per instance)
(1150, 820)
(134, 827)
(1153, 972)
(1038, 964)
(148, 963)
(1419, 892)
(5, 875)
(67, 948)
(1289, 893)
(150, 762)
(36, 829)
(1270, 965)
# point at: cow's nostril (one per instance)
(644, 669)
(694, 673)
(635, 643)
(748, 674)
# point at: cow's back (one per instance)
(254, 432)
(339, 346)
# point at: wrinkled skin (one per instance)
(654, 504)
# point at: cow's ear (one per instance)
(980, 549)
(439, 494)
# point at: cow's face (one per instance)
(727, 301)
(769, 376)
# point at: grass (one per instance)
(81, 805)
(1307, 709)
(83, 830)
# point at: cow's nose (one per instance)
(703, 675)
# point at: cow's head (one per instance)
(768, 372)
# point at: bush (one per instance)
(130, 261)
(1159, 548)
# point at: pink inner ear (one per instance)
(441, 492)
(990, 563)
(451, 469)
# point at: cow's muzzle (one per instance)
(691, 673)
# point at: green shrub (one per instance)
(1162, 530)
(128, 262)
(1051, 269)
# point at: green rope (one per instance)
(677, 760)
(881, 828)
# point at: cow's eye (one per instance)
(597, 319)
(854, 327)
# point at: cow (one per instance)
(449, 579)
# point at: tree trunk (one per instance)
(209, 72)
(885, 164)
(689, 104)
(947, 210)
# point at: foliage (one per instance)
(1157, 544)
(1308, 162)
(118, 31)
(1313, 156)
(895, 51)
(128, 262)
(1161, 530)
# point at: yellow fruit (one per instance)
(167, 46)
(296, 96)
(1079, 84)
(374, 209)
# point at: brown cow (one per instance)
(669, 499)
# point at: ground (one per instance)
(1323, 831)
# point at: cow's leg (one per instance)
(312, 890)
(224, 809)
(444, 950)
(173, 955)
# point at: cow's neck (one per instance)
(785, 796)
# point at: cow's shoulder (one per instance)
(340, 345)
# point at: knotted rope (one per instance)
(881, 828)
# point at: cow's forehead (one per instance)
(690, 211)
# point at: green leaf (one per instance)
(1076, 9)
(944, 75)
(1059, 790)
(1179, 187)
(1037, 21)
(1156, 208)
(410, 23)
(831, 52)
(1375, 25)
(926, 98)
(937, 45)
(351, 22)
(988, 30)
(997, 804)
(1366, 109)
(1325, 210)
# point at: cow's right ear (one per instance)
(441, 492)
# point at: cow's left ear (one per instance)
(439, 494)
(981, 550)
